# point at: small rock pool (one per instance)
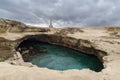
(60, 58)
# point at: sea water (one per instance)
(62, 58)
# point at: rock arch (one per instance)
(81, 45)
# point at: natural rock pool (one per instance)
(58, 57)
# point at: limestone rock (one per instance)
(94, 41)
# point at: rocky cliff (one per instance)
(11, 26)
(101, 42)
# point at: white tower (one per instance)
(50, 25)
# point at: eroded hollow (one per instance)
(57, 57)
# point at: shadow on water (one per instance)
(57, 57)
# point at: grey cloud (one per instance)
(63, 12)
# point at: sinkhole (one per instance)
(57, 57)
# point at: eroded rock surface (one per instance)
(101, 42)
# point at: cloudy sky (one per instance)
(72, 13)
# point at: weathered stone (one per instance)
(94, 41)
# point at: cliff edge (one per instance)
(103, 42)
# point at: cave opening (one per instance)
(57, 57)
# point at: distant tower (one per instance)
(50, 25)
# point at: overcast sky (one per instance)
(63, 12)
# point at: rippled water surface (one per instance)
(62, 58)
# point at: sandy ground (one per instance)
(10, 72)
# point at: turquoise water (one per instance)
(62, 58)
